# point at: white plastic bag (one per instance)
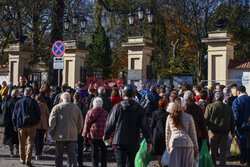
(196, 161)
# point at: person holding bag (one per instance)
(157, 126)
(181, 138)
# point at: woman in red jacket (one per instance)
(115, 97)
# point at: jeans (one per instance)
(218, 141)
(39, 141)
(125, 156)
(96, 146)
(71, 151)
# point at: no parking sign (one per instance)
(58, 48)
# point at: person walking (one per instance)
(181, 138)
(10, 135)
(84, 109)
(125, 120)
(5, 89)
(65, 124)
(158, 125)
(198, 116)
(241, 109)
(42, 127)
(220, 121)
(94, 130)
(25, 118)
(150, 101)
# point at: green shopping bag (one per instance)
(143, 158)
(205, 159)
(234, 148)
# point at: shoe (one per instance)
(11, 155)
(29, 164)
(22, 162)
(241, 163)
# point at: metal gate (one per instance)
(32, 75)
(90, 72)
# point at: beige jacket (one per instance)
(44, 120)
(178, 137)
(65, 122)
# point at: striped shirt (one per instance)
(95, 123)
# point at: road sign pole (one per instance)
(58, 77)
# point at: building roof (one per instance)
(4, 68)
(239, 64)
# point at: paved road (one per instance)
(49, 157)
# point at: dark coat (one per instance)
(23, 108)
(158, 126)
(126, 119)
(10, 136)
(241, 110)
(200, 123)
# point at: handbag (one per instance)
(165, 158)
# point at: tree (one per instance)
(100, 52)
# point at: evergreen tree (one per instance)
(100, 52)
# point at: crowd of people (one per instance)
(176, 120)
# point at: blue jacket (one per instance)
(241, 109)
(24, 107)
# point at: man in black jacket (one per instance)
(126, 119)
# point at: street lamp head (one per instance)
(74, 19)
(83, 22)
(150, 15)
(131, 18)
(140, 13)
(66, 23)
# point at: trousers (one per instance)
(71, 151)
(29, 134)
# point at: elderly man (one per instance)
(196, 111)
(106, 101)
(65, 124)
(220, 121)
(241, 109)
(25, 117)
(22, 84)
(94, 130)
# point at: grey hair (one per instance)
(219, 96)
(188, 95)
(65, 97)
(28, 91)
(14, 93)
(101, 90)
(97, 103)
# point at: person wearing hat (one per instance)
(220, 121)
(150, 101)
(241, 110)
(126, 119)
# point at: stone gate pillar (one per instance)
(220, 51)
(74, 59)
(139, 54)
(19, 57)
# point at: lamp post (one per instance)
(74, 23)
(140, 15)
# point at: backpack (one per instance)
(30, 117)
(161, 122)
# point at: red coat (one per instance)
(115, 100)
